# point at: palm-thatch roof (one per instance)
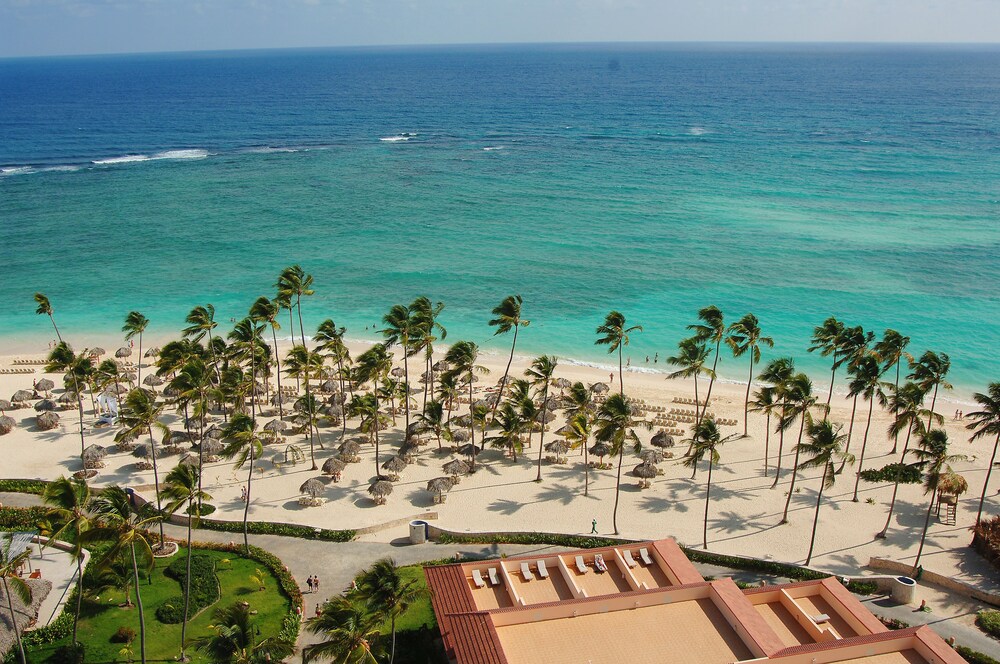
(441, 365)
(281, 398)
(397, 372)
(152, 352)
(349, 448)
(460, 435)
(644, 471)
(5, 405)
(312, 487)
(651, 456)
(380, 488)
(178, 437)
(395, 465)
(334, 411)
(47, 421)
(67, 399)
(460, 421)
(559, 447)
(439, 485)
(564, 430)
(662, 439)
(562, 383)
(211, 446)
(94, 453)
(600, 449)
(952, 483)
(276, 425)
(600, 388)
(333, 465)
(145, 451)
(123, 352)
(214, 431)
(46, 404)
(468, 449)
(22, 396)
(96, 351)
(7, 424)
(545, 416)
(457, 467)
(44, 385)
(152, 380)
(188, 460)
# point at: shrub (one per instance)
(206, 509)
(754, 565)
(204, 588)
(574, 541)
(863, 587)
(986, 540)
(989, 622)
(908, 474)
(285, 529)
(72, 653)
(974, 656)
(123, 635)
(23, 486)
(21, 518)
(893, 623)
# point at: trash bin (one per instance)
(903, 590)
(418, 532)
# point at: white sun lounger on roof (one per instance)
(581, 566)
(644, 554)
(526, 572)
(477, 578)
(542, 572)
(629, 560)
(494, 579)
(599, 563)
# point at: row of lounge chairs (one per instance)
(543, 573)
(690, 402)
(34, 361)
(18, 370)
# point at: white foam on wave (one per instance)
(492, 148)
(394, 139)
(267, 149)
(181, 154)
(127, 159)
(61, 169)
(697, 131)
(16, 170)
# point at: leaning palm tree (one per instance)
(140, 414)
(79, 369)
(193, 386)
(45, 309)
(508, 317)
(868, 382)
(433, 419)
(402, 327)
(182, 488)
(765, 402)
(387, 593)
(294, 283)
(746, 338)
(778, 373)
(135, 324)
(245, 447)
(827, 340)
(265, 311)
(802, 399)
(933, 455)
(929, 373)
(126, 531)
(330, 341)
(614, 334)
(891, 350)
(308, 365)
(236, 639)
(705, 441)
(510, 426)
(691, 357)
(201, 322)
(822, 447)
(711, 329)
(986, 422)
(374, 365)
(541, 372)
(13, 584)
(72, 520)
(248, 348)
(615, 425)
(578, 436)
(429, 330)
(578, 399)
(352, 633)
(462, 358)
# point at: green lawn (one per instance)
(420, 614)
(101, 618)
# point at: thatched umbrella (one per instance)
(461, 421)
(144, 451)
(44, 385)
(171, 392)
(558, 447)
(397, 372)
(662, 439)
(438, 486)
(426, 377)
(600, 388)
(461, 435)
(562, 383)
(441, 365)
(395, 466)
(457, 467)
(334, 411)
(545, 416)
(281, 398)
(333, 466)
(123, 352)
(564, 430)
(97, 351)
(22, 396)
(115, 391)
(492, 399)
(379, 490)
(312, 487)
(552, 403)
(5, 405)
(349, 451)
(66, 400)
(93, 456)
(651, 456)
(468, 449)
(178, 437)
(188, 460)
(952, 483)
(645, 472)
(7, 424)
(211, 447)
(214, 431)
(45, 404)
(275, 426)
(152, 352)
(600, 450)
(47, 420)
(328, 386)
(152, 380)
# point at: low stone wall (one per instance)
(435, 532)
(934, 578)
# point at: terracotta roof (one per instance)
(678, 563)
(782, 586)
(945, 653)
(450, 594)
(475, 639)
(764, 637)
(854, 641)
(596, 598)
(851, 603)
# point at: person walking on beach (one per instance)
(316, 584)
(593, 527)
(309, 582)
(243, 494)
(612, 377)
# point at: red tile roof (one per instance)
(678, 563)
(854, 641)
(450, 595)
(762, 634)
(475, 639)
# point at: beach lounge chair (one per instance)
(542, 572)
(494, 579)
(644, 555)
(526, 572)
(629, 560)
(599, 563)
(821, 618)
(581, 566)
(477, 578)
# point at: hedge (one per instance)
(974, 656)
(204, 588)
(573, 541)
(21, 518)
(907, 473)
(283, 529)
(753, 565)
(23, 486)
(989, 621)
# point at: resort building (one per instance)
(647, 604)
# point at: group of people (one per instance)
(313, 583)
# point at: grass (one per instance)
(420, 614)
(101, 618)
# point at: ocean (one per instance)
(792, 181)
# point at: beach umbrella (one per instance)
(439, 485)
(44, 385)
(152, 380)
(115, 391)
(334, 411)
(171, 392)
(349, 448)
(66, 399)
(152, 352)
(662, 439)
(645, 471)
(651, 456)
(328, 386)
(457, 467)
(426, 376)
(441, 365)
(188, 460)
(214, 431)
(5, 405)
(952, 483)
(7, 424)
(97, 351)
(380, 489)
(468, 449)
(397, 372)
(600, 450)
(178, 437)
(47, 421)
(558, 447)
(45, 404)
(22, 396)
(281, 398)
(395, 465)
(600, 388)
(144, 451)
(562, 383)
(461, 421)
(545, 416)
(94, 453)
(461, 435)
(333, 466)
(211, 447)
(123, 352)
(552, 403)
(313, 487)
(564, 430)
(276, 425)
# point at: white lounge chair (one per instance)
(644, 555)
(477, 578)
(494, 579)
(629, 560)
(581, 566)
(821, 618)
(599, 563)
(542, 572)
(526, 572)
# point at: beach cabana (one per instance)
(438, 486)
(7, 424)
(312, 490)
(93, 457)
(394, 466)
(379, 491)
(44, 385)
(645, 472)
(334, 467)
(123, 352)
(457, 467)
(662, 440)
(47, 421)
(45, 404)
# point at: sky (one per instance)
(70, 27)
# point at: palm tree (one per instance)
(182, 487)
(353, 634)
(712, 328)
(69, 512)
(541, 372)
(135, 324)
(691, 357)
(374, 365)
(615, 425)
(45, 309)
(248, 346)
(295, 283)
(402, 327)
(929, 372)
(140, 414)
(822, 447)
(508, 317)
(868, 382)
(245, 447)
(385, 591)
(511, 425)
(201, 322)
(765, 402)
(78, 368)
(746, 338)
(237, 640)
(425, 314)
(266, 311)
(705, 441)
(10, 564)
(801, 399)
(778, 373)
(462, 358)
(827, 340)
(330, 340)
(578, 399)
(193, 385)
(986, 422)
(614, 334)
(891, 350)
(126, 531)
(907, 406)
(853, 348)
(307, 364)
(433, 419)
(933, 455)
(578, 437)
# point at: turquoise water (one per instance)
(795, 183)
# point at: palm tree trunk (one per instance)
(586, 470)
(833, 377)
(79, 592)
(781, 447)
(850, 432)
(930, 415)
(138, 601)
(746, 402)
(895, 439)
(795, 470)
(83, 443)
(187, 583)
(472, 423)
(277, 363)
(201, 456)
(923, 535)
(986, 482)
(621, 375)
(541, 438)
(253, 377)
(864, 444)
(767, 441)
(302, 330)
(406, 384)
(376, 425)
(246, 507)
(138, 363)
(819, 497)
(618, 484)
(312, 419)
(58, 336)
(13, 620)
(895, 488)
(708, 494)
(711, 380)
(691, 444)
(156, 480)
(503, 380)
(343, 394)
(392, 652)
